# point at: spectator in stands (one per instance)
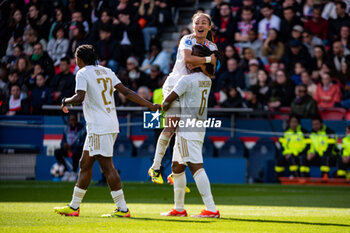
(307, 9)
(296, 34)
(251, 100)
(273, 70)
(263, 87)
(306, 80)
(58, 46)
(296, 76)
(229, 52)
(39, 21)
(303, 106)
(144, 92)
(296, 53)
(248, 54)
(320, 57)
(232, 77)
(108, 49)
(71, 146)
(272, 49)
(61, 20)
(310, 41)
(11, 60)
(344, 160)
(165, 16)
(328, 92)
(63, 83)
(251, 78)
(30, 39)
(323, 149)
(345, 38)
(224, 27)
(269, 21)
(282, 91)
(253, 43)
(339, 56)
(135, 75)
(127, 7)
(215, 11)
(16, 23)
(30, 82)
(79, 38)
(342, 19)
(40, 95)
(148, 13)
(288, 22)
(16, 103)
(15, 40)
(243, 27)
(152, 79)
(105, 21)
(234, 98)
(247, 4)
(294, 146)
(41, 57)
(23, 68)
(317, 25)
(78, 18)
(13, 79)
(129, 34)
(157, 56)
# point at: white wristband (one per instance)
(208, 59)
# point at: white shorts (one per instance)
(100, 144)
(168, 86)
(187, 151)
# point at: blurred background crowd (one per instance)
(278, 53)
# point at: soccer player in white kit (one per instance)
(193, 91)
(95, 86)
(202, 35)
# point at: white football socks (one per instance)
(203, 186)
(118, 198)
(162, 145)
(179, 190)
(78, 195)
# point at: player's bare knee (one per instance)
(178, 168)
(194, 167)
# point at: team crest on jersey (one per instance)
(188, 42)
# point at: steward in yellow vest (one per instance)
(344, 160)
(293, 145)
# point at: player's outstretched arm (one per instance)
(130, 95)
(167, 102)
(76, 99)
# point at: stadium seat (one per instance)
(232, 148)
(147, 148)
(122, 147)
(333, 113)
(347, 116)
(263, 151)
(208, 148)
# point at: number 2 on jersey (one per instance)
(105, 87)
(203, 102)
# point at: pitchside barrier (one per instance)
(238, 152)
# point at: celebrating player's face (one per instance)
(201, 26)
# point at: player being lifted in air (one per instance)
(95, 87)
(201, 24)
(193, 91)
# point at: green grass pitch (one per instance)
(27, 206)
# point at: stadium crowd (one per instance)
(271, 48)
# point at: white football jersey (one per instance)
(193, 91)
(99, 108)
(187, 42)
